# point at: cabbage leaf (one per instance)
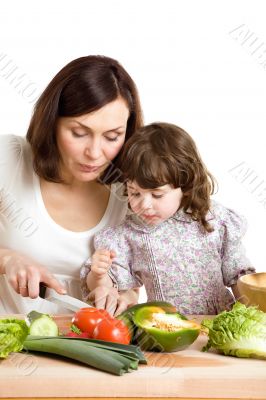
(240, 332)
(13, 333)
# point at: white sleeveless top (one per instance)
(26, 226)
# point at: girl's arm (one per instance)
(93, 281)
(98, 275)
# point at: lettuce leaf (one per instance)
(13, 333)
(240, 332)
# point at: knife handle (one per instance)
(42, 290)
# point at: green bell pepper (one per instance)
(127, 315)
(157, 326)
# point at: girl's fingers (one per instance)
(104, 298)
(98, 297)
(103, 252)
(112, 254)
(99, 271)
(111, 303)
(103, 265)
(122, 305)
(104, 259)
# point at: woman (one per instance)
(58, 186)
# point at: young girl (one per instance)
(183, 247)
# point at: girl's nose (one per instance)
(146, 204)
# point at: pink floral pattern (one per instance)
(176, 261)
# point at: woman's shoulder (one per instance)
(15, 159)
(117, 208)
(118, 190)
(10, 140)
(11, 145)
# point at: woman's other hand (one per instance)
(25, 275)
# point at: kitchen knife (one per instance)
(66, 301)
(62, 300)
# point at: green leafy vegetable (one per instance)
(114, 358)
(13, 332)
(240, 332)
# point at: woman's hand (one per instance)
(113, 301)
(25, 275)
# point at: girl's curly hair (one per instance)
(159, 154)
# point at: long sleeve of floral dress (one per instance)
(178, 262)
(233, 255)
(121, 271)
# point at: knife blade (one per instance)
(66, 301)
(62, 300)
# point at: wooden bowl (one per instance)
(252, 288)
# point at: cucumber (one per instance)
(41, 324)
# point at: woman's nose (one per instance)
(93, 149)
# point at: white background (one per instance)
(198, 64)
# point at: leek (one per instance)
(106, 356)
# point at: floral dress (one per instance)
(177, 261)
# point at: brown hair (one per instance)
(82, 86)
(160, 154)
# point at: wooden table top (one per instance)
(184, 375)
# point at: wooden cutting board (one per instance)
(188, 373)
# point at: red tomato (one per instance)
(86, 319)
(112, 330)
(77, 335)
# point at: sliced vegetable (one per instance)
(86, 319)
(163, 331)
(13, 332)
(159, 327)
(127, 315)
(42, 324)
(112, 330)
(240, 332)
(116, 359)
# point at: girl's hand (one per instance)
(104, 297)
(113, 301)
(101, 262)
(25, 275)
(127, 298)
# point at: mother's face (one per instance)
(88, 143)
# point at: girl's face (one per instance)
(154, 206)
(88, 143)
